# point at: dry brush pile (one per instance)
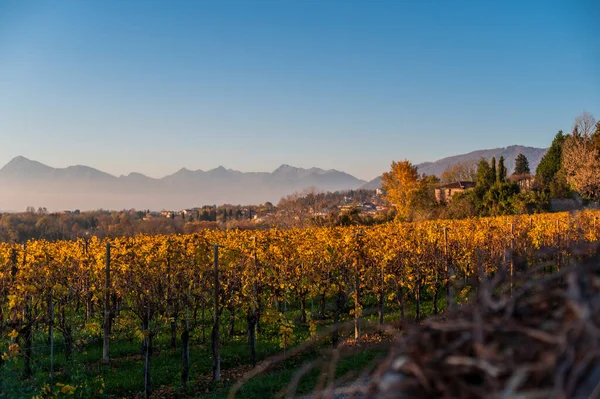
(540, 340)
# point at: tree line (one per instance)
(570, 169)
(307, 208)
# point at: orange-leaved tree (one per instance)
(401, 185)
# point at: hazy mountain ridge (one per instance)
(23, 168)
(510, 153)
(27, 182)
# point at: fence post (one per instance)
(215, 332)
(106, 346)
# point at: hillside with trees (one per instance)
(439, 167)
(569, 170)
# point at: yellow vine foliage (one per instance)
(171, 277)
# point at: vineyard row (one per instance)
(103, 287)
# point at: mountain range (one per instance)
(25, 182)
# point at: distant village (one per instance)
(300, 209)
(370, 202)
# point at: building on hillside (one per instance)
(168, 214)
(368, 207)
(151, 216)
(525, 181)
(445, 192)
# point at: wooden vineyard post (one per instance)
(251, 316)
(436, 277)
(87, 283)
(106, 345)
(357, 304)
(51, 335)
(530, 222)
(418, 293)
(174, 311)
(215, 331)
(449, 273)
(512, 256)
(28, 329)
(381, 299)
(558, 243)
(148, 353)
(185, 350)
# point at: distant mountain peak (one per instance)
(82, 171)
(221, 171)
(21, 160)
(321, 171)
(82, 167)
(284, 167)
(22, 167)
(136, 174)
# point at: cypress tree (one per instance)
(551, 162)
(521, 165)
(501, 170)
(483, 174)
(493, 174)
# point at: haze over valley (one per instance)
(26, 182)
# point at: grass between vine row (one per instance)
(123, 377)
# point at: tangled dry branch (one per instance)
(541, 341)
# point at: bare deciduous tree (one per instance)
(580, 158)
(296, 209)
(460, 171)
(584, 124)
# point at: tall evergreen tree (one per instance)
(596, 137)
(493, 171)
(521, 165)
(551, 162)
(501, 170)
(485, 178)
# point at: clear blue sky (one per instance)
(152, 86)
